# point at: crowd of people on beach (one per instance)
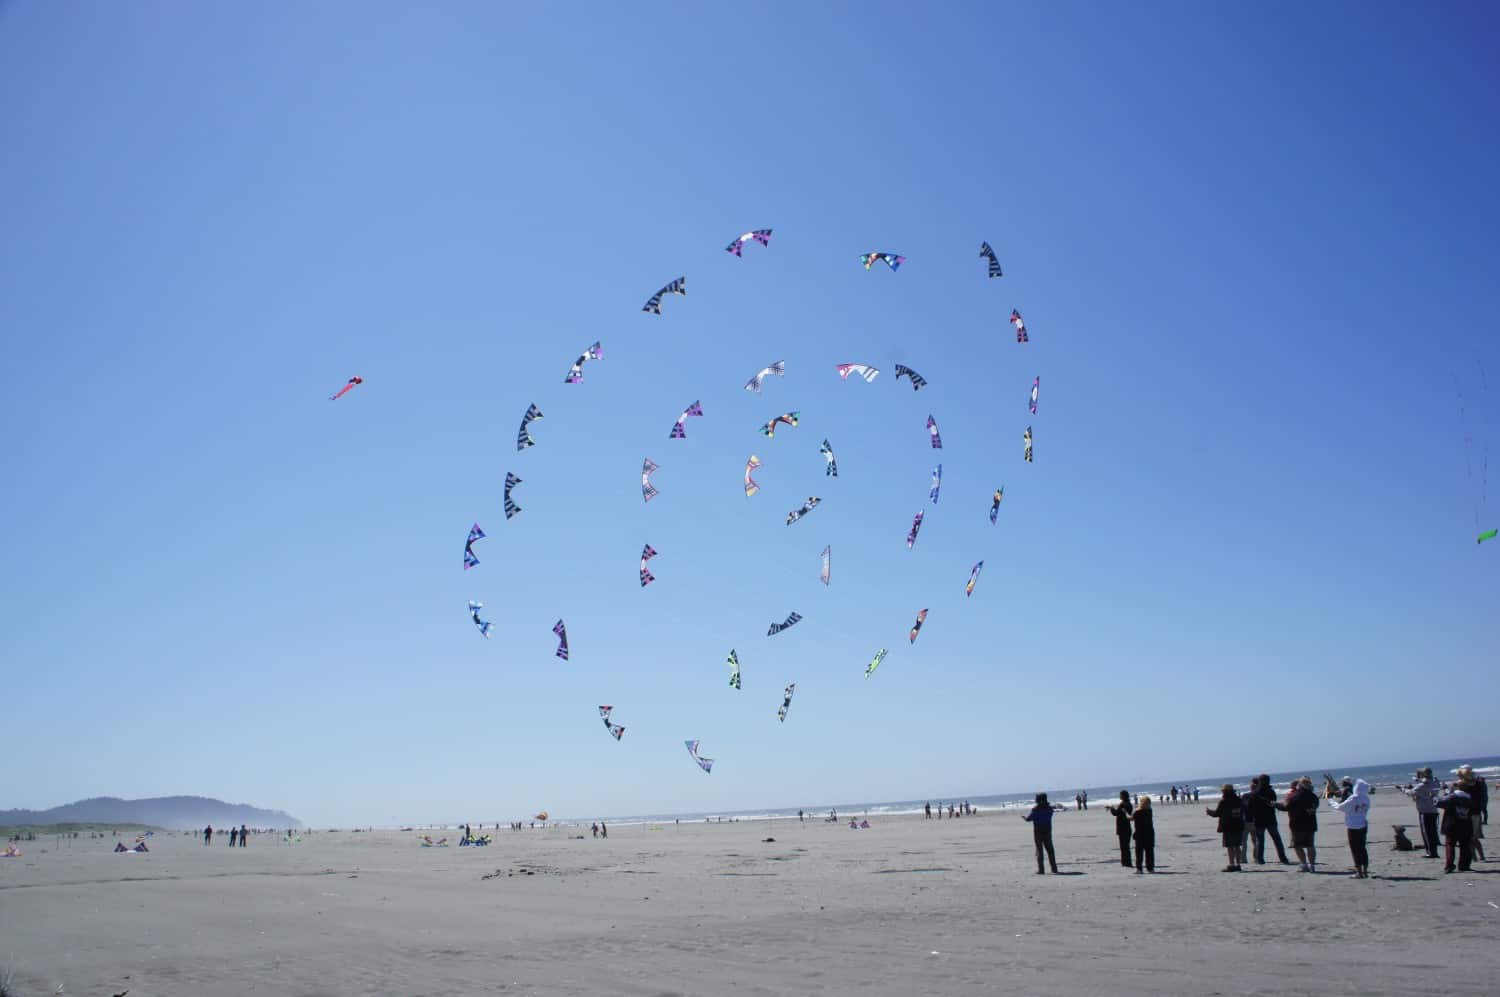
(954, 810)
(1457, 812)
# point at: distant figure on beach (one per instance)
(1174, 794)
(1231, 815)
(1425, 795)
(1145, 835)
(927, 810)
(1479, 792)
(1122, 814)
(1040, 817)
(1263, 819)
(799, 816)
(1195, 794)
(603, 829)
(1458, 827)
(234, 836)
(594, 828)
(208, 834)
(1356, 810)
(243, 832)
(1301, 806)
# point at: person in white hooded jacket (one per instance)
(1356, 811)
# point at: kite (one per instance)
(916, 524)
(989, 254)
(995, 505)
(678, 432)
(734, 670)
(615, 730)
(827, 563)
(778, 368)
(776, 628)
(973, 577)
(523, 438)
(353, 383)
(706, 764)
(889, 259)
(918, 382)
(786, 701)
(879, 657)
(575, 372)
(648, 490)
(1020, 324)
(808, 506)
(750, 465)
(562, 639)
(863, 370)
(1026, 439)
(937, 483)
(826, 450)
(511, 508)
(483, 625)
(917, 626)
(475, 533)
(1036, 383)
(1487, 535)
(937, 439)
(769, 429)
(646, 577)
(760, 235)
(653, 303)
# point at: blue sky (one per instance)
(1255, 250)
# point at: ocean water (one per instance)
(1381, 777)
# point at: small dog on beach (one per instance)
(1403, 843)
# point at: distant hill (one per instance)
(160, 811)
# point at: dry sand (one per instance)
(907, 907)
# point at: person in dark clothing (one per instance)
(1263, 819)
(243, 831)
(208, 834)
(234, 836)
(1040, 817)
(1458, 828)
(1122, 826)
(1301, 806)
(1479, 795)
(1231, 814)
(1145, 836)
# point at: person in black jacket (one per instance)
(1458, 827)
(1145, 836)
(1301, 806)
(1231, 814)
(1263, 819)
(1479, 793)
(1122, 826)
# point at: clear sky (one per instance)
(1255, 248)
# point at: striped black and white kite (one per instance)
(653, 303)
(523, 435)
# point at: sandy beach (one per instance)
(908, 906)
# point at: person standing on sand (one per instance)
(1231, 814)
(1263, 819)
(1424, 795)
(1145, 835)
(208, 834)
(1458, 828)
(243, 832)
(234, 835)
(927, 810)
(1174, 794)
(1040, 818)
(603, 829)
(1356, 810)
(1122, 825)
(1301, 806)
(1479, 793)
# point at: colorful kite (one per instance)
(646, 577)
(989, 254)
(776, 628)
(808, 506)
(562, 639)
(918, 382)
(1487, 535)
(760, 235)
(648, 490)
(678, 432)
(653, 303)
(511, 508)
(706, 764)
(973, 577)
(863, 370)
(750, 465)
(995, 505)
(1036, 383)
(826, 450)
(1015, 320)
(786, 702)
(1026, 439)
(827, 564)
(916, 627)
(778, 368)
(734, 669)
(575, 372)
(874, 664)
(916, 524)
(937, 439)
(523, 437)
(937, 483)
(352, 383)
(483, 625)
(475, 533)
(769, 429)
(889, 259)
(615, 730)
